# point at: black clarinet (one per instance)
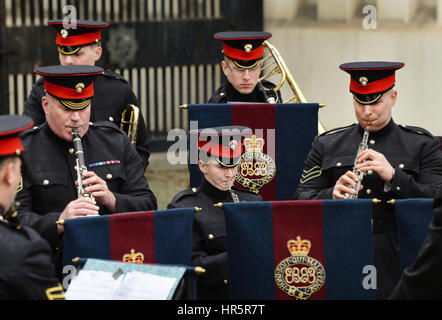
(80, 166)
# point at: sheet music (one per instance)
(144, 286)
(100, 285)
(92, 285)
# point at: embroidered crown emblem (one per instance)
(299, 247)
(254, 144)
(299, 275)
(133, 257)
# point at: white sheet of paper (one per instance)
(144, 286)
(92, 285)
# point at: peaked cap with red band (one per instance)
(221, 143)
(73, 85)
(370, 79)
(244, 48)
(10, 128)
(71, 37)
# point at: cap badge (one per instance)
(79, 87)
(363, 81)
(64, 33)
(248, 47)
(233, 144)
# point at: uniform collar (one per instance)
(213, 192)
(384, 131)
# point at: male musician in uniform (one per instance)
(82, 46)
(114, 177)
(243, 52)
(399, 162)
(26, 266)
(220, 151)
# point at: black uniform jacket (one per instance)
(423, 280)
(209, 235)
(413, 152)
(111, 93)
(49, 175)
(227, 93)
(26, 267)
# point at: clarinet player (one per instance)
(399, 162)
(114, 175)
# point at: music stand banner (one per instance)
(160, 236)
(304, 249)
(413, 217)
(287, 131)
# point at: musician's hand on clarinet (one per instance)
(376, 162)
(99, 190)
(345, 184)
(80, 207)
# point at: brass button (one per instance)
(225, 281)
(370, 172)
(111, 119)
(222, 93)
(210, 236)
(71, 150)
(372, 141)
(194, 189)
(398, 188)
(109, 176)
(368, 191)
(401, 166)
(339, 164)
(45, 182)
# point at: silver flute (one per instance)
(362, 146)
(80, 166)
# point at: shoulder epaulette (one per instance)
(336, 130)
(104, 124)
(184, 193)
(417, 130)
(34, 129)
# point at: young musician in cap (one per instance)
(82, 46)
(26, 266)
(220, 151)
(399, 161)
(113, 180)
(243, 52)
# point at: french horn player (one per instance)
(243, 59)
(399, 161)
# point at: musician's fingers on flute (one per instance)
(345, 184)
(377, 163)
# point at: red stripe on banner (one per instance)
(301, 218)
(260, 118)
(132, 231)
